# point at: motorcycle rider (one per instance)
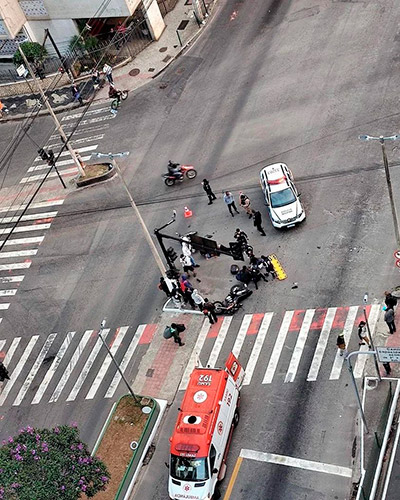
(174, 169)
(113, 93)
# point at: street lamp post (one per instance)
(350, 368)
(103, 324)
(382, 141)
(365, 300)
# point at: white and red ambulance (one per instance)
(203, 431)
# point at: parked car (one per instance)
(281, 196)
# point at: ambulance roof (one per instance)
(198, 413)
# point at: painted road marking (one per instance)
(300, 343)
(18, 265)
(91, 138)
(35, 368)
(17, 370)
(17, 253)
(11, 350)
(241, 335)
(348, 327)
(91, 120)
(51, 175)
(11, 279)
(38, 216)
(299, 463)
(24, 229)
(2, 344)
(361, 360)
(71, 365)
(212, 360)
(54, 365)
(233, 478)
(63, 162)
(195, 355)
(321, 346)
(125, 361)
(6, 293)
(86, 369)
(3, 307)
(107, 361)
(85, 130)
(22, 241)
(279, 343)
(33, 206)
(90, 112)
(255, 353)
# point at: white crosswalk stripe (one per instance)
(104, 367)
(11, 279)
(33, 206)
(75, 116)
(68, 161)
(255, 353)
(195, 354)
(82, 140)
(348, 327)
(18, 265)
(361, 360)
(298, 349)
(242, 334)
(212, 360)
(276, 353)
(25, 229)
(22, 241)
(321, 346)
(24, 218)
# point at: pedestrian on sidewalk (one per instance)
(244, 202)
(363, 334)
(390, 300)
(3, 373)
(164, 287)
(187, 250)
(77, 93)
(258, 221)
(209, 311)
(389, 319)
(209, 192)
(187, 264)
(187, 289)
(107, 70)
(341, 343)
(173, 331)
(230, 202)
(387, 368)
(198, 299)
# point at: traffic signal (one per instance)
(43, 154)
(173, 274)
(172, 255)
(50, 159)
(236, 250)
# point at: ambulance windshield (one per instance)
(189, 469)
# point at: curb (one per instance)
(167, 308)
(100, 178)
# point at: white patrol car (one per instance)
(281, 196)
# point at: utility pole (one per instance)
(50, 109)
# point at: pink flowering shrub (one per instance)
(49, 464)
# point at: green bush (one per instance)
(49, 464)
(88, 43)
(33, 51)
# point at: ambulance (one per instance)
(203, 431)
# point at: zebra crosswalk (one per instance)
(96, 119)
(21, 243)
(298, 346)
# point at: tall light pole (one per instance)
(147, 235)
(382, 141)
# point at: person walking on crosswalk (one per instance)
(363, 334)
(341, 343)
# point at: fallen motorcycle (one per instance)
(231, 304)
(186, 171)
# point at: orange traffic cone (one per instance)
(188, 213)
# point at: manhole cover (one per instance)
(134, 72)
(150, 70)
(166, 59)
(163, 49)
(150, 372)
(163, 85)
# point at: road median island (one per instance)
(124, 441)
(96, 173)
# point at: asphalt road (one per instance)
(277, 81)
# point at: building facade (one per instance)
(27, 19)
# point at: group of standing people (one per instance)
(244, 203)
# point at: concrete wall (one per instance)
(12, 16)
(75, 9)
(155, 20)
(61, 30)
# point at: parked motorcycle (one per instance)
(186, 171)
(231, 304)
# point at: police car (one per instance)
(281, 196)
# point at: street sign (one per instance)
(22, 71)
(388, 354)
(397, 263)
(397, 254)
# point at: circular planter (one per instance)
(93, 177)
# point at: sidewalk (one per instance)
(144, 67)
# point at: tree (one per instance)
(49, 464)
(33, 51)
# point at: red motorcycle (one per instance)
(186, 171)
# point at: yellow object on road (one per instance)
(280, 272)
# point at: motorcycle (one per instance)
(117, 95)
(186, 170)
(231, 304)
